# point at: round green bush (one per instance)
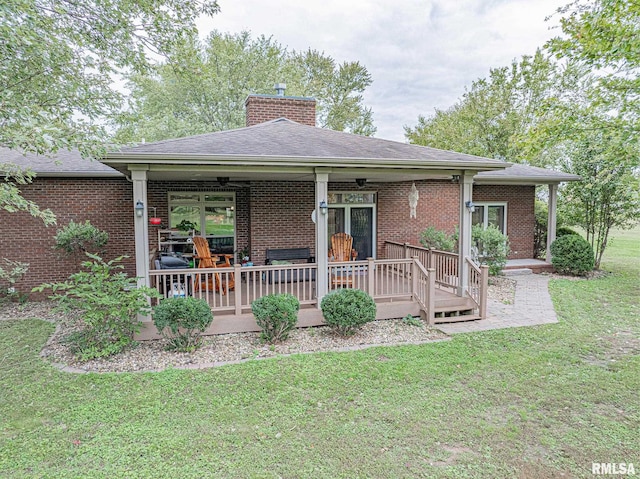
(345, 310)
(277, 315)
(181, 320)
(572, 254)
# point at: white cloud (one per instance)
(420, 53)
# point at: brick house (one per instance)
(265, 186)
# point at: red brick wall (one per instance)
(281, 216)
(265, 108)
(437, 206)
(520, 214)
(106, 203)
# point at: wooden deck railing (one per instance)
(478, 285)
(444, 263)
(400, 279)
(250, 283)
(423, 282)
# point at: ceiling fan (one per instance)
(224, 181)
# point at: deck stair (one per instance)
(454, 308)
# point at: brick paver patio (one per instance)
(532, 306)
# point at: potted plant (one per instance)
(244, 257)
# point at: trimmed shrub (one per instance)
(80, 238)
(181, 321)
(572, 254)
(434, 238)
(346, 310)
(492, 247)
(109, 302)
(277, 315)
(564, 231)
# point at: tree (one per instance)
(59, 60)
(609, 194)
(203, 86)
(58, 63)
(495, 116)
(604, 36)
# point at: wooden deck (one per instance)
(399, 286)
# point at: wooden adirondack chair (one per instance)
(205, 260)
(342, 250)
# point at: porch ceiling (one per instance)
(239, 175)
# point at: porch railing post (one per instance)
(371, 271)
(431, 297)
(237, 291)
(484, 286)
(430, 259)
(415, 272)
(406, 250)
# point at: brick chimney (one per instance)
(261, 108)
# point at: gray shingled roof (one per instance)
(281, 138)
(286, 138)
(66, 163)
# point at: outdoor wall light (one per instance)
(470, 206)
(323, 207)
(139, 209)
(361, 182)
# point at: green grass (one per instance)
(529, 403)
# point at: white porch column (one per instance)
(464, 241)
(322, 231)
(551, 219)
(141, 228)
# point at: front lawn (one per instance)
(537, 402)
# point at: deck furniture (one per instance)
(283, 256)
(204, 259)
(341, 251)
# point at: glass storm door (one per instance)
(358, 220)
(362, 231)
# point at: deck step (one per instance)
(456, 319)
(453, 308)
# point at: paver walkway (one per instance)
(532, 306)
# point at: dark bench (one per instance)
(289, 254)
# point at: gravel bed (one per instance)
(216, 350)
(230, 348)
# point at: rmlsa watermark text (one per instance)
(613, 469)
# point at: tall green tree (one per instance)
(604, 36)
(609, 194)
(203, 86)
(58, 63)
(496, 114)
(59, 60)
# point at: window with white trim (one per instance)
(213, 215)
(487, 214)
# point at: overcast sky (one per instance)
(420, 53)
